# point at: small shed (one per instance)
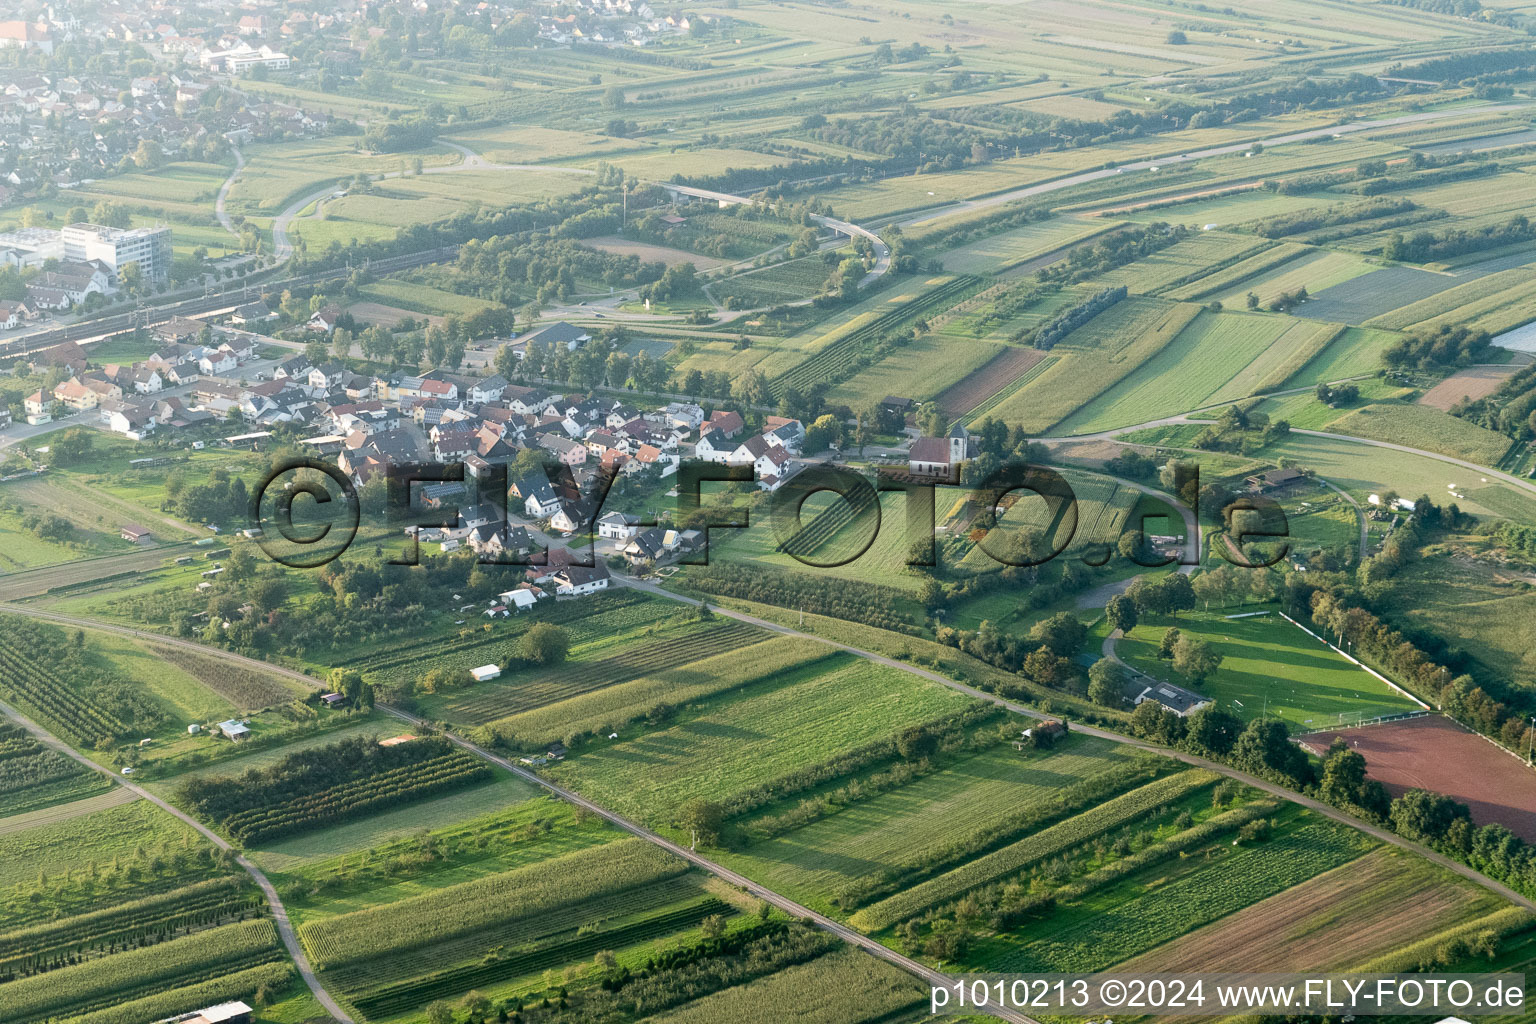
(134, 534)
(485, 673)
(235, 729)
(331, 700)
(194, 729)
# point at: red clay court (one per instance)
(1437, 754)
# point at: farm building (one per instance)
(331, 700)
(224, 1013)
(134, 534)
(1175, 698)
(234, 729)
(485, 673)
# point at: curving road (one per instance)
(283, 246)
(219, 204)
(279, 912)
(1199, 154)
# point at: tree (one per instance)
(1177, 38)
(701, 819)
(349, 683)
(613, 98)
(544, 644)
(439, 1013)
(712, 926)
(1419, 814)
(1214, 730)
(1343, 781)
(1062, 633)
(1195, 659)
(1121, 612)
(1178, 594)
(1106, 683)
(916, 743)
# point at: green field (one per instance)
(732, 744)
(1204, 364)
(1269, 667)
(977, 794)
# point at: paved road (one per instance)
(219, 204)
(283, 247)
(1199, 154)
(279, 912)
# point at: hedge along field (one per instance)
(1191, 371)
(975, 795)
(1094, 358)
(743, 741)
(613, 708)
(1261, 262)
(1154, 906)
(1031, 849)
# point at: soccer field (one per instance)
(1269, 666)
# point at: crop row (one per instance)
(358, 797)
(34, 769)
(577, 678)
(129, 923)
(387, 656)
(397, 998)
(826, 525)
(25, 678)
(484, 902)
(99, 983)
(829, 364)
(1228, 883)
(603, 910)
(1030, 850)
(616, 706)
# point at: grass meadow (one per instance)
(1268, 664)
